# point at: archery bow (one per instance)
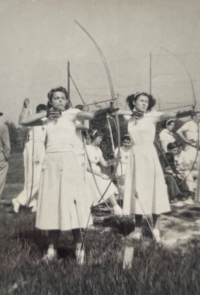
(116, 115)
(112, 99)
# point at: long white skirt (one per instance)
(32, 172)
(144, 177)
(62, 203)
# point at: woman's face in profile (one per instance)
(175, 151)
(142, 103)
(98, 140)
(171, 126)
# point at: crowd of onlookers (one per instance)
(179, 161)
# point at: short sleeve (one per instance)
(78, 124)
(162, 135)
(44, 121)
(187, 126)
(74, 111)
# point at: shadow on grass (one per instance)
(123, 224)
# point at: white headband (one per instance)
(172, 121)
(137, 93)
(95, 131)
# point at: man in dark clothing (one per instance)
(4, 153)
(177, 188)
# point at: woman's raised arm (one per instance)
(34, 120)
(180, 114)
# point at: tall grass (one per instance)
(155, 269)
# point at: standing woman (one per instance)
(34, 153)
(145, 190)
(189, 133)
(4, 153)
(62, 204)
(99, 183)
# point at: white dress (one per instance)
(34, 153)
(62, 204)
(166, 137)
(121, 168)
(103, 185)
(144, 174)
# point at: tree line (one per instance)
(18, 136)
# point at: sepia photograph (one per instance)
(99, 147)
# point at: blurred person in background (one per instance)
(189, 134)
(177, 187)
(184, 169)
(4, 152)
(123, 160)
(34, 152)
(99, 183)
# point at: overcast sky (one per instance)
(38, 37)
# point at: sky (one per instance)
(39, 37)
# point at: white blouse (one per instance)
(94, 153)
(166, 137)
(61, 132)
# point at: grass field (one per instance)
(158, 269)
(15, 177)
(15, 171)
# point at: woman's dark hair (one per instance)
(172, 145)
(133, 98)
(126, 137)
(169, 122)
(50, 95)
(60, 89)
(41, 107)
(94, 134)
